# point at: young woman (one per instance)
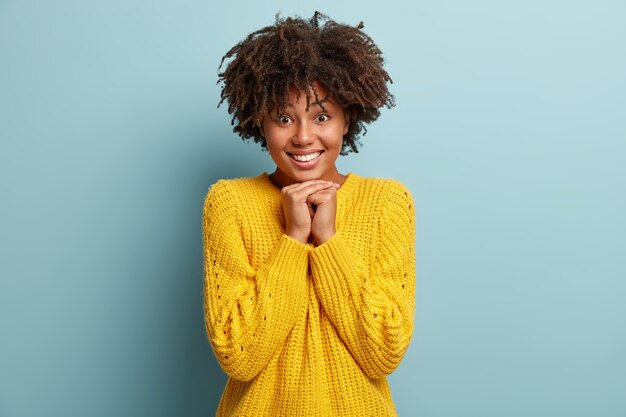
(309, 273)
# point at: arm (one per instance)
(372, 311)
(248, 313)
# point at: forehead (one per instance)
(322, 94)
(321, 90)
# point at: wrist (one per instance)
(323, 237)
(300, 236)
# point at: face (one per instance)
(314, 136)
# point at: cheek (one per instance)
(271, 145)
(275, 139)
(335, 138)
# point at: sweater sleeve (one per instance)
(248, 312)
(372, 308)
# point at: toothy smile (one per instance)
(306, 157)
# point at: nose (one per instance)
(304, 134)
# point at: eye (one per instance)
(283, 119)
(323, 117)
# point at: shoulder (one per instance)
(391, 199)
(397, 208)
(227, 192)
(398, 192)
(389, 190)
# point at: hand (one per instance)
(323, 223)
(298, 210)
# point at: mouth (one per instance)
(305, 160)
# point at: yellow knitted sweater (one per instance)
(305, 330)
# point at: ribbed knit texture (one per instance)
(305, 330)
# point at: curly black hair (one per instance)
(295, 52)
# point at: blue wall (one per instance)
(509, 129)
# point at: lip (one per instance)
(308, 164)
(305, 152)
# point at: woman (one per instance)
(309, 273)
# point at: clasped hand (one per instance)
(310, 209)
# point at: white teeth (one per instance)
(306, 158)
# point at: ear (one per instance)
(260, 125)
(347, 123)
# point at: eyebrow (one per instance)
(315, 103)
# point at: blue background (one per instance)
(509, 130)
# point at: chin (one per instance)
(304, 176)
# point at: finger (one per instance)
(311, 188)
(299, 185)
(320, 197)
(303, 193)
(316, 199)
